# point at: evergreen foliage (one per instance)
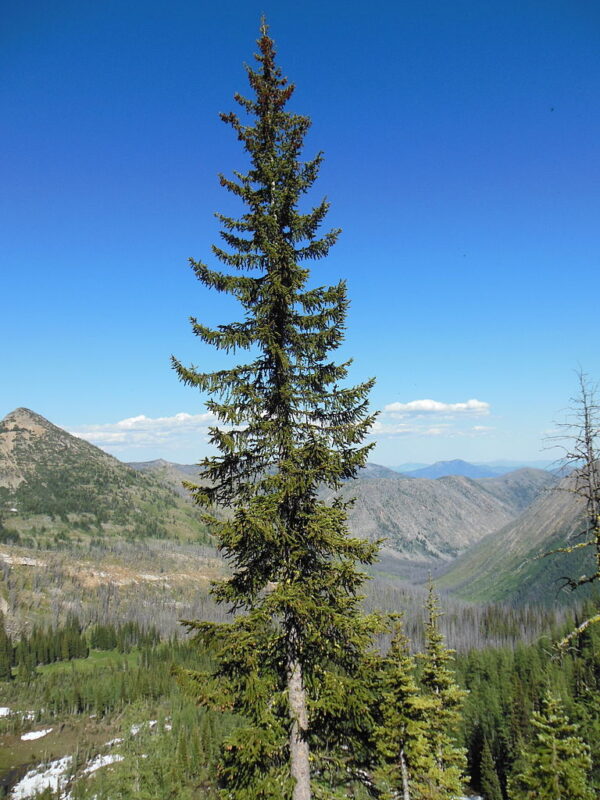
(6, 652)
(556, 765)
(67, 642)
(287, 426)
(4, 505)
(405, 726)
(122, 637)
(505, 687)
(401, 741)
(444, 712)
(489, 781)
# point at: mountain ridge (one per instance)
(514, 564)
(442, 469)
(49, 471)
(61, 483)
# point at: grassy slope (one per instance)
(511, 565)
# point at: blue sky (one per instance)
(462, 163)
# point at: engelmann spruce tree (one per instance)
(556, 764)
(287, 425)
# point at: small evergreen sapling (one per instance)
(287, 425)
(557, 763)
(490, 783)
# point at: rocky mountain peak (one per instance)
(27, 419)
(28, 440)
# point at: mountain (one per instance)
(519, 488)
(502, 466)
(510, 564)
(425, 519)
(62, 486)
(174, 474)
(422, 519)
(66, 486)
(409, 466)
(456, 467)
(370, 471)
(169, 473)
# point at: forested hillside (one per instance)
(512, 564)
(102, 696)
(54, 486)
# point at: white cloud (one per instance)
(385, 429)
(473, 406)
(435, 432)
(143, 431)
(416, 418)
(420, 418)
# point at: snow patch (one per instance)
(135, 729)
(27, 737)
(102, 761)
(51, 775)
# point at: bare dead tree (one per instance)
(579, 437)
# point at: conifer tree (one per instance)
(4, 500)
(490, 783)
(556, 765)
(402, 746)
(445, 700)
(287, 424)
(6, 652)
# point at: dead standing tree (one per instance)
(578, 438)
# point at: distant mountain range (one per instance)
(470, 470)
(174, 473)
(420, 519)
(456, 467)
(489, 530)
(425, 519)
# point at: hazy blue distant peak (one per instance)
(455, 467)
(409, 466)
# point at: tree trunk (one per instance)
(404, 769)
(299, 763)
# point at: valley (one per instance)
(86, 537)
(82, 531)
